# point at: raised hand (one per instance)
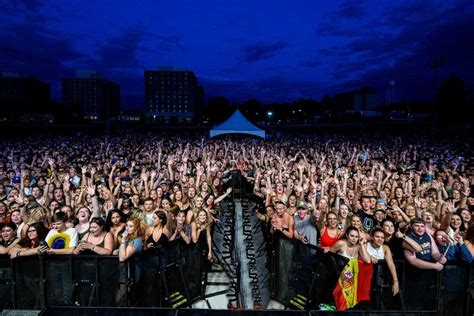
(450, 206)
(90, 190)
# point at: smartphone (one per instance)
(43, 243)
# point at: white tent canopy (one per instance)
(237, 124)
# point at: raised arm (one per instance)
(363, 253)
(223, 196)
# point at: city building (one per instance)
(23, 90)
(130, 115)
(172, 96)
(363, 101)
(96, 97)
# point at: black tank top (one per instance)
(160, 243)
(90, 252)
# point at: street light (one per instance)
(269, 114)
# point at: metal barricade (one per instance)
(6, 285)
(37, 282)
(313, 276)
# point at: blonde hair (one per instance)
(138, 214)
(198, 223)
(36, 213)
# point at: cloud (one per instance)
(311, 63)
(266, 90)
(32, 5)
(15, 7)
(121, 51)
(41, 51)
(331, 29)
(261, 51)
(334, 24)
(414, 78)
(350, 9)
(167, 43)
(398, 46)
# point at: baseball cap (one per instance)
(302, 205)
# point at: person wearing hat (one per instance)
(379, 216)
(9, 238)
(381, 204)
(165, 185)
(305, 231)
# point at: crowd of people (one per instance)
(371, 197)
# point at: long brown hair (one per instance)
(470, 233)
(138, 229)
(41, 232)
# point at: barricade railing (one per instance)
(310, 275)
(171, 279)
(38, 282)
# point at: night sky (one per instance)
(269, 50)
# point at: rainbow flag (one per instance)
(353, 285)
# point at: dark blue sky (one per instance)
(269, 50)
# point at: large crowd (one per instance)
(369, 197)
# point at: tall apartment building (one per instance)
(172, 95)
(97, 97)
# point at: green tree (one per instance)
(218, 109)
(252, 109)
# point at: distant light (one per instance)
(269, 113)
(299, 110)
(294, 112)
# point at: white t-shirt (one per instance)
(73, 237)
(149, 219)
